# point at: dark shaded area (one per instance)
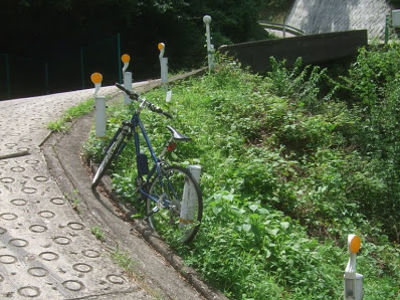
(43, 41)
(313, 49)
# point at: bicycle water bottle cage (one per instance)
(142, 164)
(177, 135)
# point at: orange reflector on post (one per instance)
(355, 244)
(161, 46)
(125, 58)
(96, 78)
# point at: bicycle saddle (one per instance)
(177, 135)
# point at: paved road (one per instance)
(47, 250)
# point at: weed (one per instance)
(285, 178)
(98, 233)
(64, 122)
(122, 259)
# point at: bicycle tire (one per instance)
(169, 222)
(113, 149)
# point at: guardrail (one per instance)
(282, 27)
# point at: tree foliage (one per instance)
(143, 23)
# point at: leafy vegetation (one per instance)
(64, 122)
(288, 172)
(98, 233)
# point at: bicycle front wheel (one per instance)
(180, 204)
(113, 149)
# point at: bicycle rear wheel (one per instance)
(180, 220)
(113, 149)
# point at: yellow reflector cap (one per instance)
(354, 244)
(96, 78)
(125, 58)
(161, 46)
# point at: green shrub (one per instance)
(283, 182)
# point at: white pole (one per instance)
(128, 86)
(100, 104)
(189, 202)
(353, 282)
(207, 21)
(164, 71)
(127, 77)
(163, 66)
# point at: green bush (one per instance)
(284, 181)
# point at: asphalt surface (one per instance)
(48, 213)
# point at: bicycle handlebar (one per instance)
(135, 96)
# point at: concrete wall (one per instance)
(313, 49)
(320, 16)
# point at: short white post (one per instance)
(207, 21)
(189, 203)
(163, 66)
(100, 105)
(353, 282)
(127, 77)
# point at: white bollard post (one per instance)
(189, 204)
(127, 77)
(207, 21)
(128, 86)
(163, 66)
(353, 282)
(212, 56)
(100, 105)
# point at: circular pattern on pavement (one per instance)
(23, 149)
(7, 180)
(32, 161)
(40, 178)
(49, 256)
(115, 279)
(8, 216)
(26, 140)
(29, 291)
(19, 202)
(10, 145)
(83, 268)
(73, 285)
(47, 214)
(38, 271)
(19, 243)
(57, 201)
(37, 228)
(91, 253)
(17, 169)
(61, 240)
(76, 226)
(2, 230)
(7, 259)
(29, 190)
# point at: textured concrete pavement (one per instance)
(47, 250)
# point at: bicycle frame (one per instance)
(135, 124)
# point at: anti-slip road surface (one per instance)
(47, 249)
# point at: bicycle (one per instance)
(173, 197)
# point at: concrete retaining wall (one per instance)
(313, 49)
